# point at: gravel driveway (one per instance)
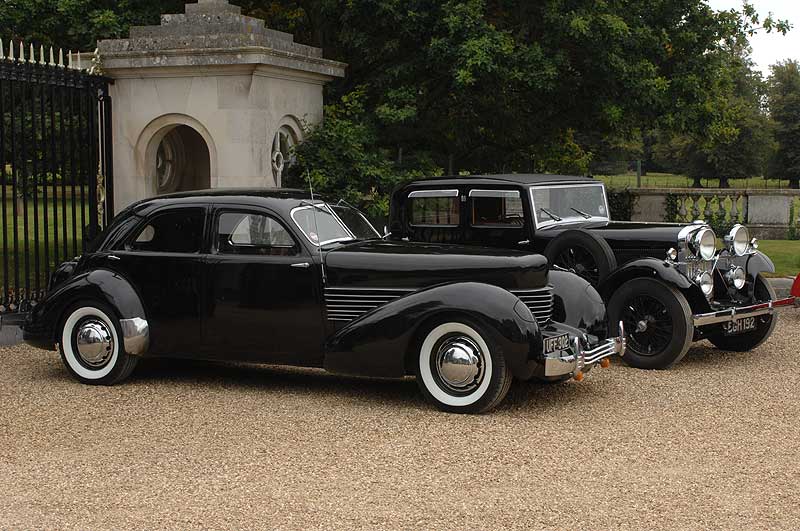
(711, 444)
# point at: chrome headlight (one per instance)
(736, 277)
(706, 282)
(704, 243)
(738, 240)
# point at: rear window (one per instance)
(435, 208)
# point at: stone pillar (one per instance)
(208, 98)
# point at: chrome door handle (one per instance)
(302, 265)
(114, 257)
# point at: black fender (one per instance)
(41, 326)
(577, 304)
(380, 342)
(658, 269)
(757, 263)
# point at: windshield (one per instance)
(356, 222)
(322, 224)
(569, 203)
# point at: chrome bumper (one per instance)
(135, 335)
(580, 359)
(731, 314)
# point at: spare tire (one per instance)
(583, 253)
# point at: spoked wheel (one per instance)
(583, 253)
(581, 262)
(658, 320)
(458, 370)
(91, 345)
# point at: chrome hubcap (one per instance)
(641, 326)
(459, 363)
(94, 343)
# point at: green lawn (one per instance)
(670, 180)
(785, 254)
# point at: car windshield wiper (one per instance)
(581, 212)
(553, 216)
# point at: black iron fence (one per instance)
(55, 166)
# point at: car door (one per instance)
(163, 260)
(263, 291)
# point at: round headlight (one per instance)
(739, 240)
(736, 277)
(705, 243)
(706, 282)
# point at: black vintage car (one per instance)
(670, 284)
(272, 276)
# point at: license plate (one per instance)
(556, 343)
(739, 326)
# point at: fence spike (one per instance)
(52, 57)
(41, 55)
(79, 61)
(21, 58)
(11, 51)
(69, 58)
(61, 57)
(2, 53)
(32, 58)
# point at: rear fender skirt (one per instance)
(577, 304)
(101, 285)
(378, 343)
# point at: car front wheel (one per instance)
(91, 345)
(658, 320)
(458, 370)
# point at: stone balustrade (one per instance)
(768, 213)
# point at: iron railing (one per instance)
(55, 166)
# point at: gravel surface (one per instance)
(710, 444)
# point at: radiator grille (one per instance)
(346, 304)
(539, 301)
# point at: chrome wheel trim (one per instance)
(459, 363)
(69, 348)
(427, 372)
(94, 343)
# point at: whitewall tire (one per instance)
(91, 345)
(458, 370)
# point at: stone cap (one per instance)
(212, 32)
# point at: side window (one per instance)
(253, 234)
(435, 208)
(496, 208)
(177, 231)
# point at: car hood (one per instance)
(626, 234)
(399, 264)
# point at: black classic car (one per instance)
(669, 284)
(273, 276)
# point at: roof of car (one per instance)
(508, 178)
(277, 198)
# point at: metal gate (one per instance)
(55, 166)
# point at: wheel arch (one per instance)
(659, 270)
(379, 343)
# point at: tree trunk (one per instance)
(794, 183)
(697, 183)
(723, 182)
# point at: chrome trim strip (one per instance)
(510, 194)
(433, 193)
(724, 316)
(136, 335)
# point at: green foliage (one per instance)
(784, 104)
(621, 204)
(671, 208)
(342, 158)
(794, 232)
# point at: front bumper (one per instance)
(737, 312)
(579, 359)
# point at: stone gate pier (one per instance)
(209, 98)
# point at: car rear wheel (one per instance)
(583, 253)
(657, 319)
(458, 370)
(765, 324)
(91, 345)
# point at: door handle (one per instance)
(302, 265)
(114, 257)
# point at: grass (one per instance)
(670, 180)
(785, 254)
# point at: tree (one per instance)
(784, 108)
